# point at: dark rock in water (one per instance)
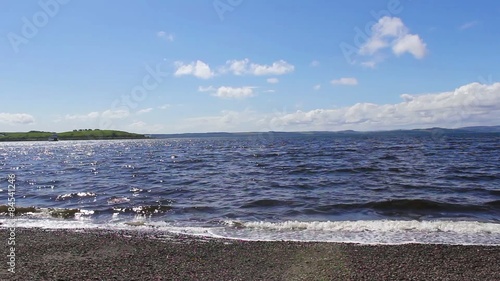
(63, 213)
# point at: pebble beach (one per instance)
(138, 255)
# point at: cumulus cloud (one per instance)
(392, 32)
(272, 80)
(277, 68)
(471, 104)
(410, 43)
(241, 67)
(16, 118)
(198, 69)
(349, 81)
(317, 87)
(237, 67)
(229, 92)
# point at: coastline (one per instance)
(87, 134)
(137, 255)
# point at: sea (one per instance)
(367, 188)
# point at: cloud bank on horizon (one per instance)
(302, 67)
(469, 105)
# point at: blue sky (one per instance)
(239, 65)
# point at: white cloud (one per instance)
(115, 114)
(16, 118)
(317, 87)
(391, 32)
(237, 67)
(277, 68)
(167, 36)
(472, 104)
(241, 67)
(229, 92)
(410, 43)
(82, 117)
(145, 110)
(349, 81)
(273, 80)
(198, 69)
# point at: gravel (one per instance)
(137, 255)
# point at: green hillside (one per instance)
(87, 134)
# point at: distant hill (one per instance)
(435, 130)
(72, 135)
(483, 129)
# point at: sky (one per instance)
(248, 65)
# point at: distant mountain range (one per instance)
(482, 129)
(463, 130)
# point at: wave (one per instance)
(366, 231)
(356, 170)
(75, 195)
(71, 213)
(360, 232)
(265, 155)
(470, 227)
(410, 205)
(495, 192)
(43, 212)
(144, 210)
(267, 203)
(495, 203)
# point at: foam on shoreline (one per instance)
(372, 232)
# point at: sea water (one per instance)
(370, 188)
